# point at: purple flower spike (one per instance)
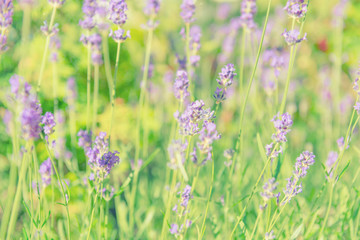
(46, 172)
(177, 153)
(118, 10)
(296, 8)
(303, 163)
(119, 35)
(270, 235)
(174, 229)
(49, 123)
(248, 11)
(56, 3)
(152, 7)
(186, 196)
(226, 75)
(357, 107)
(330, 163)
(269, 192)
(6, 14)
(84, 139)
(292, 37)
(207, 136)
(282, 126)
(219, 95)
(187, 10)
(181, 85)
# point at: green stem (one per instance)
(25, 35)
(113, 88)
(92, 217)
(88, 86)
(169, 201)
(43, 61)
(208, 201)
(253, 190)
(15, 207)
(290, 67)
(96, 96)
(188, 64)
(256, 224)
(242, 57)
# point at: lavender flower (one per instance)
(356, 86)
(268, 193)
(219, 95)
(293, 187)
(177, 153)
(207, 136)
(118, 10)
(181, 85)
(276, 59)
(186, 196)
(6, 13)
(270, 235)
(190, 119)
(46, 172)
(152, 7)
(341, 143)
(49, 32)
(119, 35)
(100, 159)
(84, 139)
(296, 8)
(174, 229)
(187, 10)
(303, 163)
(48, 122)
(95, 42)
(282, 126)
(72, 92)
(55, 45)
(194, 44)
(272, 153)
(226, 75)
(330, 162)
(248, 11)
(292, 37)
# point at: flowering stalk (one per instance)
(253, 190)
(96, 96)
(113, 88)
(16, 204)
(333, 181)
(88, 85)
(47, 42)
(138, 122)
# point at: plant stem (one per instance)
(113, 88)
(256, 224)
(169, 200)
(96, 96)
(253, 190)
(92, 217)
(208, 201)
(242, 57)
(88, 86)
(15, 207)
(24, 35)
(43, 61)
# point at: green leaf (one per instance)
(150, 158)
(125, 184)
(261, 148)
(343, 171)
(297, 232)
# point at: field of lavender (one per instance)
(179, 119)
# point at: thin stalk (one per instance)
(96, 97)
(62, 188)
(253, 190)
(25, 30)
(242, 113)
(92, 217)
(168, 207)
(88, 86)
(106, 219)
(132, 200)
(43, 61)
(113, 88)
(242, 57)
(208, 201)
(15, 207)
(105, 48)
(256, 224)
(290, 67)
(188, 64)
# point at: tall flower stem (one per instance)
(138, 125)
(188, 64)
(253, 190)
(256, 224)
(105, 48)
(290, 67)
(208, 201)
(92, 217)
(242, 112)
(25, 34)
(168, 206)
(242, 57)
(16, 204)
(62, 189)
(337, 163)
(47, 42)
(113, 88)
(96, 97)
(88, 86)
